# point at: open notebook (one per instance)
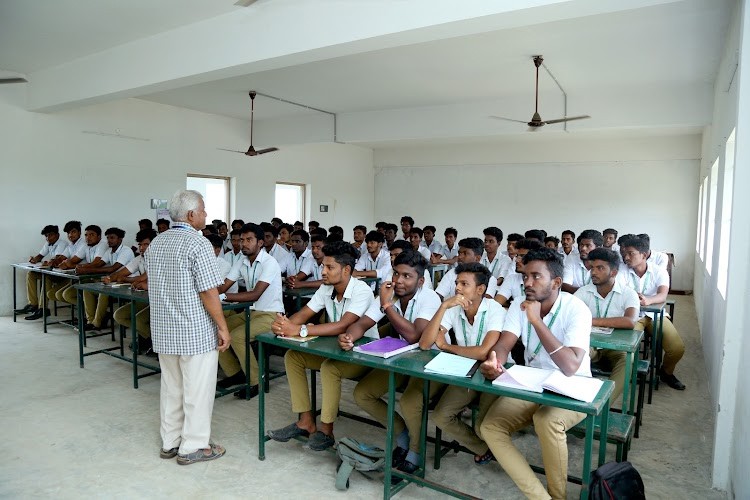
(537, 379)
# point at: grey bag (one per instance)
(357, 456)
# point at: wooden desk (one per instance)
(657, 329)
(412, 364)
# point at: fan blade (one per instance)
(231, 150)
(560, 120)
(245, 3)
(506, 119)
(267, 150)
(13, 80)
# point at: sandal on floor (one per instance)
(286, 433)
(215, 450)
(484, 459)
(320, 442)
(171, 453)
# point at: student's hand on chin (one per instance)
(533, 309)
(458, 300)
(387, 291)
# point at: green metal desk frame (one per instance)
(627, 341)
(657, 330)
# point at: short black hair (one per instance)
(381, 225)
(412, 259)
(591, 234)
(400, 244)
(430, 228)
(609, 230)
(375, 236)
(529, 244)
(606, 255)
(319, 230)
(216, 240)
(145, 234)
(494, 231)
(313, 223)
(513, 237)
(162, 221)
(146, 222)
(222, 223)
(71, 225)
(302, 234)
(336, 230)
(50, 229)
(211, 229)
(288, 227)
(298, 223)
(553, 259)
(116, 231)
(360, 227)
(332, 238)
(450, 230)
(568, 231)
(416, 230)
(270, 228)
(481, 273)
(624, 237)
(536, 234)
(408, 219)
(640, 244)
(94, 228)
(342, 252)
(238, 221)
(391, 227)
(235, 232)
(474, 244)
(644, 236)
(276, 219)
(553, 239)
(255, 229)
(314, 238)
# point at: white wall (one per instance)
(634, 184)
(52, 172)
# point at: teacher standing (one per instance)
(187, 330)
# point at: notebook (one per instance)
(451, 364)
(537, 379)
(602, 329)
(386, 347)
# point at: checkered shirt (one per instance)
(180, 264)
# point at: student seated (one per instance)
(76, 244)
(299, 225)
(162, 225)
(272, 248)
(51, 253)
(476, 322)
(285, 235)
(552, 242)
(406, 224)
(396, 249)
(469, 250)
(338, 231)
(135, 272)
(374, 261)
(300, 262)
(315, 279)
(415, 238)
(612, 305)
(610, 239)
(499, 265)
(449, 252)
(651, 283)
(262, 276)
(555, 328)
(217, 243)
(512, 287)
(345, 300)
(433, 245)
(86, 260)
(312, 225)
(359, 238)
(577, 268)
(391, 231)
(408, 307)
(567, 245)
(237, 224)
(536, 234)
(659, 259)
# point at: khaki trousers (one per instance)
(70, 295)
(506, 416)
(186, 400)
(671, 342)
(32, 287)
(99, 303)
(233, 360)
(142, 318)
(54, 285)
(447, 416)
(331, 373)
(615, 361)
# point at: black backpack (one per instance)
(616, 481)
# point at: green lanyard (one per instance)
(252, 280)
(316, 271)
(335, 312)
(494, 264)
(583, 276)
(528, 332)
(481, 327)
(606, 310)
(645, 282)
(376, 261)
(298, 264)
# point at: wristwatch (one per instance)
(303, 331)
(383, 308)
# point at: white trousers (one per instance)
(188, 387)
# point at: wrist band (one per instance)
(553, 352)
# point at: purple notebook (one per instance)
(386, 347)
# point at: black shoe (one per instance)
(399, 455)
(671, 381)
(236, 379)
(144, 345)
(407, 467)
(89, 327)
(286, 433)
(242, 393)
(36, 315)
(29, 308)
(319, 442)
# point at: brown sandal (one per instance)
(215, 451)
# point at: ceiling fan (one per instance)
(536, 120)
(251, 151)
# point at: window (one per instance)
(699, 222)
(704, 207)
(215, 191)
(726, 216)
(710, 235)
(290, 202)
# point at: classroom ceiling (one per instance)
(651, 66)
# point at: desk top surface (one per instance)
(412, 363)
(654, 307)
(127, 293)
(618, 340)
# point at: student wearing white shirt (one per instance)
(476, 322)
(263, 278)
(433, 245)
(135, 272)
(315, 279)
(391, 231)
(217, 243)
(406, 224)
(512, 287)
(510, 245)
(408, 307)
(396, 249)
(300, 262)
(415, 238)
(612, 305)
(116, 256)
(374, 262)
(51, 253)
(359, 238)
(271, 233)
(610, 240)
(469, 250)
(345, 300)
(87, 259)
(660, 259)
(75, 244)
(449, 252)
(234, 253)
(555, 328)
(552, 242)
(499, 265)
(651, 283)
(577, 270)
(567, 245)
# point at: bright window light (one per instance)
(726, 216)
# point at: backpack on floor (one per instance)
(357, 456)
(616, 481)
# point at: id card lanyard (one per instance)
(606, 310)
(549, 326)
(481, 328)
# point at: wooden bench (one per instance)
(620, 430)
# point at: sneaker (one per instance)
(213, 452)
(319, 442)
